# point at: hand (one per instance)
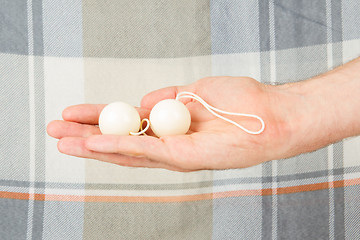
(299, 117)
(211, 143)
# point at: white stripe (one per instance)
(272, 42)
(350, 176)
(329, 56)
(32, 119)
(127, 193)
(329, 35)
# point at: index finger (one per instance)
(83, 113)
(89, 113)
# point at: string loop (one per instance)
(213, 110)
(141, 128)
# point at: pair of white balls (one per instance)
(168, 117)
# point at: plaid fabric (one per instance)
(64, 52)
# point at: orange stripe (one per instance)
(185, 198)
(303, 188)
(15, 195)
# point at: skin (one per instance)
(300, 117)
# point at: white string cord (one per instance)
(142, 130)
(213, 110)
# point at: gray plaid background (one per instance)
(59, 53)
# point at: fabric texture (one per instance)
(59, 53)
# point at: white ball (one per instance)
(170, 117)
(119, 118)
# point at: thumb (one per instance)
(152, 98)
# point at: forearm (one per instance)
(325, 109)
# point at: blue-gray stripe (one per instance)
(39, 101)
(13, 27)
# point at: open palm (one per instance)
(211, 143)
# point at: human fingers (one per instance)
(89, 113)
(152, 98)
(83, 113)
(192, 152)
(59, 129)
(197, 111)
(181, 153)
(75, 146)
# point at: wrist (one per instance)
(313, 118)
(322, 110)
